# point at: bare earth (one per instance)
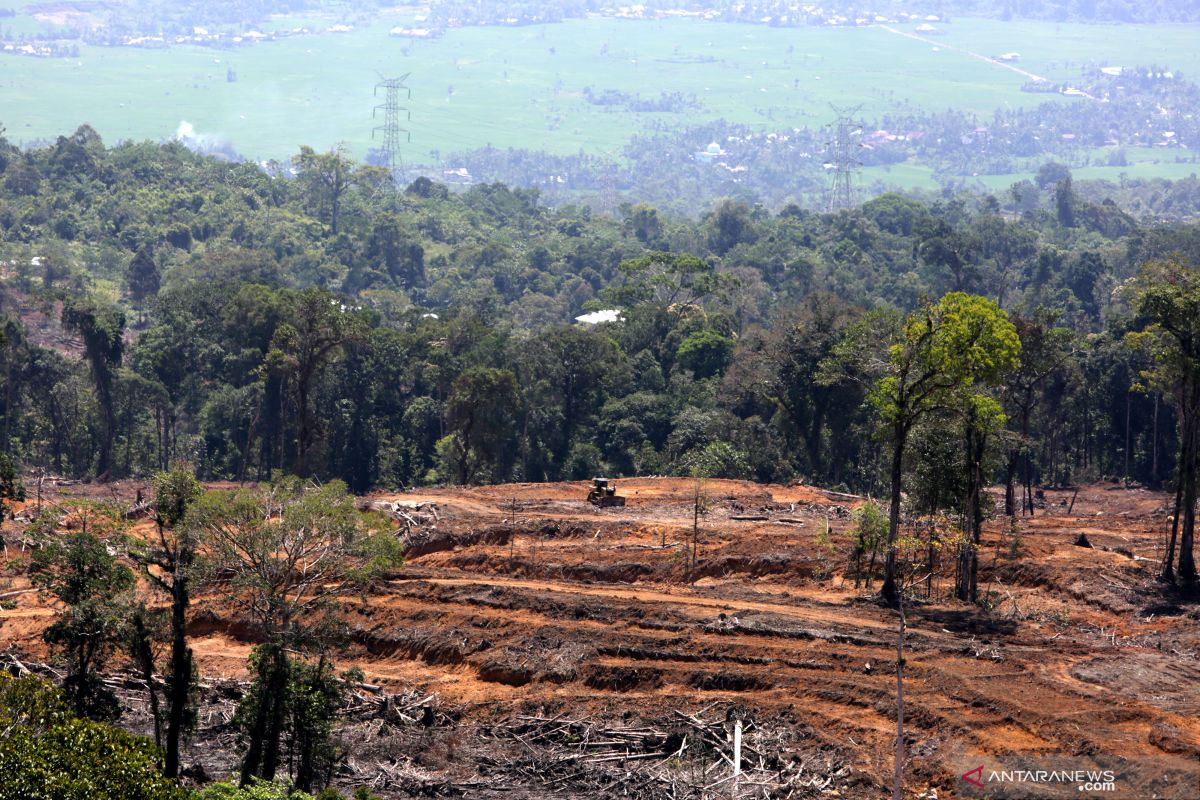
(562, 611)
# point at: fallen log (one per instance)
(842, 494)
(139, 511)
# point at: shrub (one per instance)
(50, 754)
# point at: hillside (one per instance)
(530, 630)
(413, 382)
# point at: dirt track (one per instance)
(567, 608)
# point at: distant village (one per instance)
(65, 32)
(59, 47)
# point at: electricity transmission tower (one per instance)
(607, 183)
(391, 121)
(843, 157)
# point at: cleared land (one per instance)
(523, 87)
(566, 612)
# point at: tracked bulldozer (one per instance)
(604, 494)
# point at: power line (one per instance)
(391, 122)
(843, 157)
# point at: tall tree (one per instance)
(482, 414)
(78, 571)
(1044, 349)
(1167, 295)
(301, 349)
(982, 416)
(142, 277)
(285, 555)
(167, 564)
(102, 327)
(326, 178)
(820, 412)
(572, 365)
(938, 354)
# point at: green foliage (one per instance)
(143, 275)
(584, 461)
(174, 493)
(326, 177)
(663, 280)
(706, 353)
(78, 571)
(320, 325)
(938, 478)
(716, 460)
(285, 554)
(1167, 294)
(946, 349)
(315, 695)
(482, 411)
(10, 484)
(289, 549)
(257, 789)
(1014, 540)
(102, 327)
(430, 339)
(870, 531)
(46, 753)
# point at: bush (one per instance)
(257, 790)
(50, 754)
(869, 536)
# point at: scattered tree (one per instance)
(78, 571)
(285, 554)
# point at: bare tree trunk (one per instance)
(181, 674)
(898, 782)
(695, 537)
(253, 759)
(1128, 405)
(1027, 502)
(1187, 477)
(966, 578)
(1154, 447)
(158, 435)
(1187, 562)
(889, 592)
(144, 658)
(1010, 493)
(278, 690)
(1168, 567)
(1027, 476)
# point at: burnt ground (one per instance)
(543, 631)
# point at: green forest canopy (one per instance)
(221, 320)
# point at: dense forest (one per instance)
(163, 306)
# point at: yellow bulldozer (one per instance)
(604, 494)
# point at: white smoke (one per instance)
(211, 144)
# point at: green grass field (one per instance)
(522, 87)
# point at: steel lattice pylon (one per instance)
(844, 158)
(391, 121)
